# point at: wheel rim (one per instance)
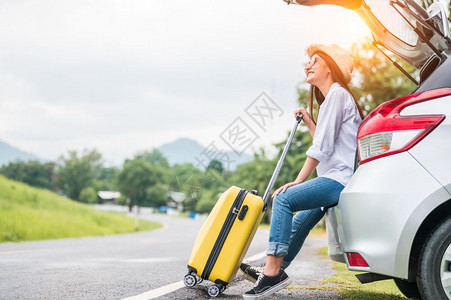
(445, 272)
(190, 281)
(213, 291)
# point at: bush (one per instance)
(208, 201)
(122, 200)
(88, 195)
(157, 195)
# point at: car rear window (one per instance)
(440, 78)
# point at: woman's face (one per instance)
(316, 70)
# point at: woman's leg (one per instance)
(302, 223)
(310, 195)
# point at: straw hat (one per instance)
(340, 56)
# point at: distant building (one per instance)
(175, 200)
(108, 196)
(176, 197)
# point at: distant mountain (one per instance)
(186, 150)
(9, 153)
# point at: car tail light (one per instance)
(356, 260)
(385, 132)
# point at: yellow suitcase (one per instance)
(225, 236)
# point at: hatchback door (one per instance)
(402, 26)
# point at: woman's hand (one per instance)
(306, 117)
(284, 188)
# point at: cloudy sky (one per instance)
(125, 76)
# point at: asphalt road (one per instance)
(109, 267)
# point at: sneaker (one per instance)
(249, 272)
(268, 285)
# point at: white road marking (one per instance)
(13, 252)
(148, 241)
(158, 292)
(178, 285)
(153, 260)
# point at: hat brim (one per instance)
(340, 57)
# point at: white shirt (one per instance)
(335, 139)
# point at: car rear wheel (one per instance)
(434, 273)
(409, 289)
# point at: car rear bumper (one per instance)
(380, 211)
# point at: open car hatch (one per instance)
(403, 27)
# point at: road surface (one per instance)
(109, 267)
(138, 265)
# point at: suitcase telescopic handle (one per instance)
(279, 164)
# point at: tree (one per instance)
(376, 80)
(107, 180)
(33, 173)
(191, 182)
(185, 170)
(77, 172)
(295, 156)
(216, 165)
(108, 175)
(135, 179)
(254, 175)
(88, 195)
(157, 195)
(153, 157)
(208, 201)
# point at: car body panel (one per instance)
(430, 152)
(411, 226)
(334, 251)
(376, 235)
(440, 78)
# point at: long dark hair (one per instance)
(337, 76)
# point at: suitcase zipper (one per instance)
(231, 216)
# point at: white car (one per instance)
(393, 220)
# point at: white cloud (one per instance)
(126, 75)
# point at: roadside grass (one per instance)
(349, 287)
(318, 231)
(28, 213)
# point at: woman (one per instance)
(332, 154)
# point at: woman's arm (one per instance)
(307, 169)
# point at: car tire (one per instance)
(435, 263)
(408, 289)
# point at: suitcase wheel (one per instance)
(190, 280)
(215, 289)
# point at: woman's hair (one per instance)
(337, 76)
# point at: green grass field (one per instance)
(349, 287)
(28, 213)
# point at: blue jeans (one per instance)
(287, 233)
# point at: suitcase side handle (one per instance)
(279, 164)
